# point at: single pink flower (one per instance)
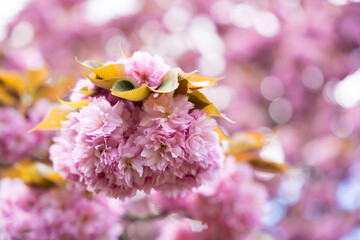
(146, 69)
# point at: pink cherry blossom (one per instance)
(231, 206)
(146, 69)
(39, 214)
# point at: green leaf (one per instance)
(128, 88)
(125, 84)
(170, 82)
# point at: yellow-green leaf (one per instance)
(197, 82)
(135, 95)
(202, 79)
(201, 102)
(91, 64)
(175, 80)
(125, 84)
(170, 82)
(115, 70)
(186, 76)
(126, 87)
(75, 104)
(52, 120)
(102, 83)
(191, 82)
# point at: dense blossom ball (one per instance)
(38, 214)
(179, 145)
(121, 147)
(231, 206)
(90, 146)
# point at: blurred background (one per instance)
(291, 67)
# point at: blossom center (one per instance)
(100, 122)
(197, 137)
(128, 162)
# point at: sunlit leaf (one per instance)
(13, 81)
(135, 95)
(201, 102)
(191, 82)
(197, 82)
(32, 173)
(75, 104)
(102, 83)
(52, 120)
(246, 141)
(186, 76)
(47, 172)
(170, 82)
(109, 71)
(175, 80)
(125, 88)
(26, 170)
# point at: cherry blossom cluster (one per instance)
(230, 206)
(39, 214)
(15, 142)
(118, 146)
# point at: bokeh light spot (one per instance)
(312, 77)
(266, 24)
(280, 110)
(271, 88)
